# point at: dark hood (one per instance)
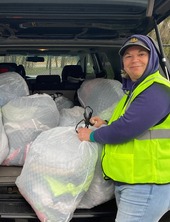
(153, 64)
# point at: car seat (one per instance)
(47, 82)
(72, 76)
(21, 70)
(8, 67)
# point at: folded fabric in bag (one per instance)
(24, 119)
(57, 172)
(12, 85)
(99, 94)
(4, 148)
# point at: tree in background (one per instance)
(164, 29)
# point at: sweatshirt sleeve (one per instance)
(150, 107)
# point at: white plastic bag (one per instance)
(12, 85)
(99, 94)
(100, 190)
(24, 119)
(4, 148)
(70, 117)
(57, 172)
(62, 102)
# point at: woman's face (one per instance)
(135, 61)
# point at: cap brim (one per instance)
(123, 49)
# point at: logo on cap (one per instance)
(133, 40)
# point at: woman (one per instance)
(136, 154)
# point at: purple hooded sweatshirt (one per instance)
(150, 108)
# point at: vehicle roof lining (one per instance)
(30, 22)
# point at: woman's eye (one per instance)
(127, 56)
(143, 54)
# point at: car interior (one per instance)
(65, 49)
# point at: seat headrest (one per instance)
(48, 78)
(72, 71)
(47, 82)
(21, 70)
(8, 67)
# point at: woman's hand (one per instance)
(97, 121)
(84, 134)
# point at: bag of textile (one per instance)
(57, 172)
(24, 119)
(100, 190)
(70, 117)
(12, 85)
(4, 148)
(99, 94)
(62, 102)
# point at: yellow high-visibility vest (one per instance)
(145, 159)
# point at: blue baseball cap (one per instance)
(132, 42)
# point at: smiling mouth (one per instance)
(136, 67)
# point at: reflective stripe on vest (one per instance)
(155, 134)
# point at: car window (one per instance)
(163, 27)
(52, 65)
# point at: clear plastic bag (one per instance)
(12, 85)
(100, 190)
(62, 102)
(24, 119)
(4, 148)
(57, 172)
(99, 94)
(70, 117)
